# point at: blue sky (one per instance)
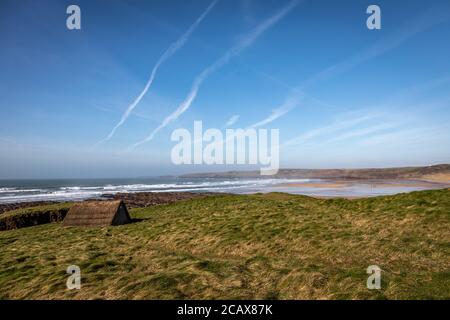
(341, 95)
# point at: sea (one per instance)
(12, 191)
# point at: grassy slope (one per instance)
(243, 246)
(29, 216)
(369, 173)
(36, 209)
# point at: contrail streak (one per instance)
(174, 47)
(419, 24)
(290, 103)
(245, 42)
(232, 120)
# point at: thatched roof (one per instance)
(97, 213)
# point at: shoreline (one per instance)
(320, 183)
(132, 200)
(149, 198)
(374, 183)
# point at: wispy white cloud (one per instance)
(134, 113)
(380, 128)
(232, 120)
(173, 48)
(244, 43)
(247, 12)
(363, 132)
(409, 136)
(8, 142)
(426, 21)
(332, 128)
(290, 103)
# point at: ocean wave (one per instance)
(80, 188)
(67, 193)
(56, 196)
(205, 184)
(215, 189)
(15, 190)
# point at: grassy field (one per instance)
(273, 246)
(30, 216)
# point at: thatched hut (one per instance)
(97, 213)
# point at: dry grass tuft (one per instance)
(272, 246)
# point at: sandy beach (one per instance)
(372, 183)
(360, 188)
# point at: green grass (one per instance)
(273, 246)
(31, 216)
(36, 209)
